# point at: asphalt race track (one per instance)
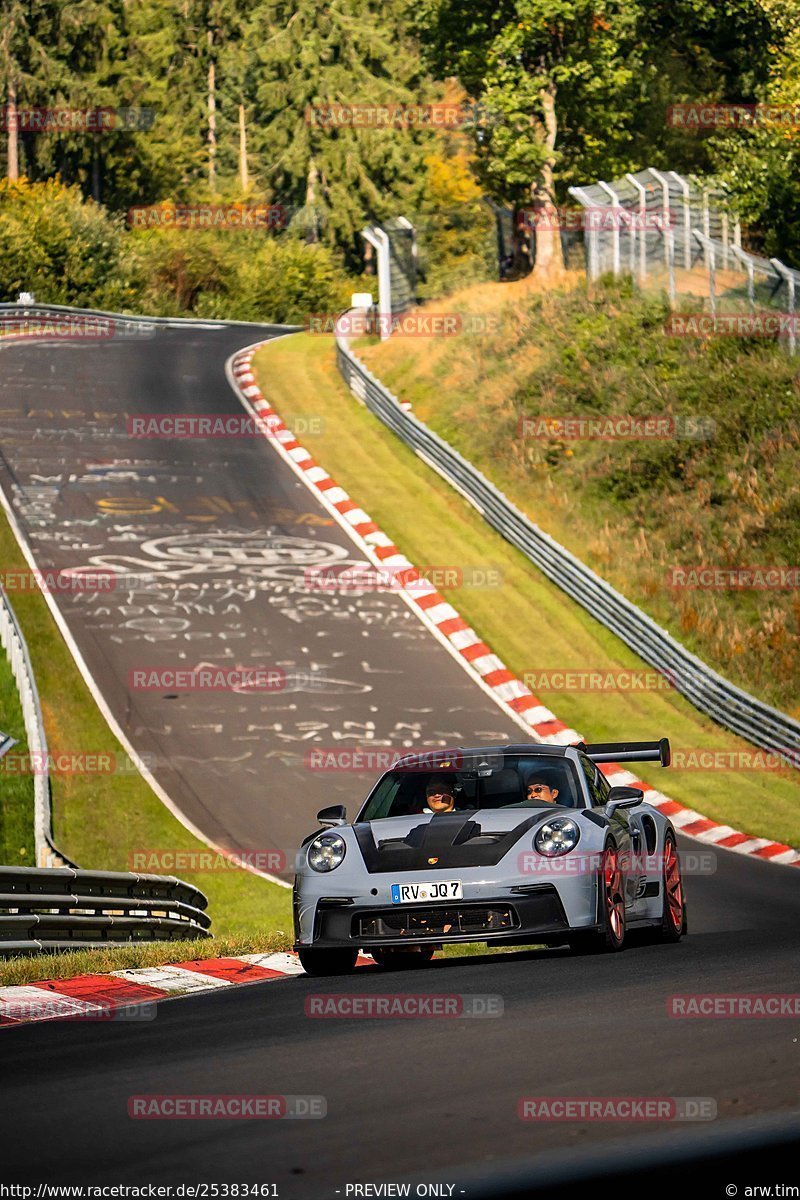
(431, 1098)
(209, 541)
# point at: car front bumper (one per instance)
(523, 914)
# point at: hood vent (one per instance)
(453, 840)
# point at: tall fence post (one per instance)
(591, 236)
(748, 265)
(380, 243)
(711, 262)
(669, 242)
(686, 191)
(406, 224)
(615, 229)
(789, 279)
(642, 193)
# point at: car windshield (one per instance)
(491, 781)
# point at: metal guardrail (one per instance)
(725, 703)
(12, 641)
(66, 909)
(34, 308)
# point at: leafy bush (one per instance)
(56, 244)
(67, 250)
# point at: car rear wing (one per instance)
(602, 752)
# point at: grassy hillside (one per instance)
(632, 510)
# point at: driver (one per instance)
(538, 788)
(440, 795)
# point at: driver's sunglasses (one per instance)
(539, 787)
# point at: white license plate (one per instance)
(416, 893)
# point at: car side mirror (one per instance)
(623, 797)
(335, 815)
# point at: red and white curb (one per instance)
(120, 994)
(442, 619)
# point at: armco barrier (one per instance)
(65, 909)
(726, 704)
(16, 650)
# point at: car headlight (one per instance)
(326, 852)
(555, 837)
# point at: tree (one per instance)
(29, 67)
(760, 165)
(574, 88)
(305, 59)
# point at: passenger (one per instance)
(440, 796)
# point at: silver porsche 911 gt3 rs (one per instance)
(509, 845)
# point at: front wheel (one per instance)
(327, 962)
(611, 910)
(393, 958)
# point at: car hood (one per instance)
(447, 841)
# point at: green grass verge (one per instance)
(66, 964)
(527, 620)
(99, 820)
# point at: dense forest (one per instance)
(216, 101)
